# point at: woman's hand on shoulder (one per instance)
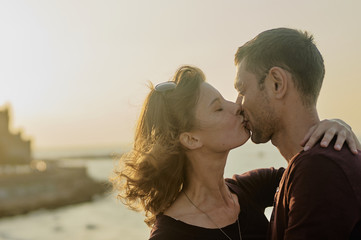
(327, 129)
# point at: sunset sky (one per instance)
(75, 71)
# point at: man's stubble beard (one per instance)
(263, 129)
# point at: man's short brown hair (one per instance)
(290, 49)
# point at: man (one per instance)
(279, 77)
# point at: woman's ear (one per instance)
(279, 78)
(190, 140)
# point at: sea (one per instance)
(106, 218)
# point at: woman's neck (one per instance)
(205, 182)
(205, 194)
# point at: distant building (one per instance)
(13, 148)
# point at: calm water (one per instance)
(105, 218)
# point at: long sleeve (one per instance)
(260, 184)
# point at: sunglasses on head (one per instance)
(165, 86)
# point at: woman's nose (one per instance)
(238, 108)
(239, 99)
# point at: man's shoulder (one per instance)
(328, 156)
(327, 166)
(320, 162)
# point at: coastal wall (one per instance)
(21, 193)
(27, 184)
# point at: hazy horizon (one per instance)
(75, 72)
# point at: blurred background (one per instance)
(73, 77)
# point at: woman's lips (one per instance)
(247, 125)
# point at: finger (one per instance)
(316, 135)
(328, 136)
(352, 145)
(307, 136)
(357, 142)
(341, 137)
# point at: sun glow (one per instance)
(75, 72)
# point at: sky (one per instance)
(75, 71)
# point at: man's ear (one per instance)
(279, 78)
(190, 140)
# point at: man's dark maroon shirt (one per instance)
(319, 196)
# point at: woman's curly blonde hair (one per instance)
(150, 177)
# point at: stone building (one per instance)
(13, 148)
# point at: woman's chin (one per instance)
(245, 135)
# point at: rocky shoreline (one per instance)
(59, 186)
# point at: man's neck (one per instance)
(294, 127)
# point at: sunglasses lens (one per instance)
(165, 86)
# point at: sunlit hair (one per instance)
(289, 49)
(150, 177)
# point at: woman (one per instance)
(175, 171)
